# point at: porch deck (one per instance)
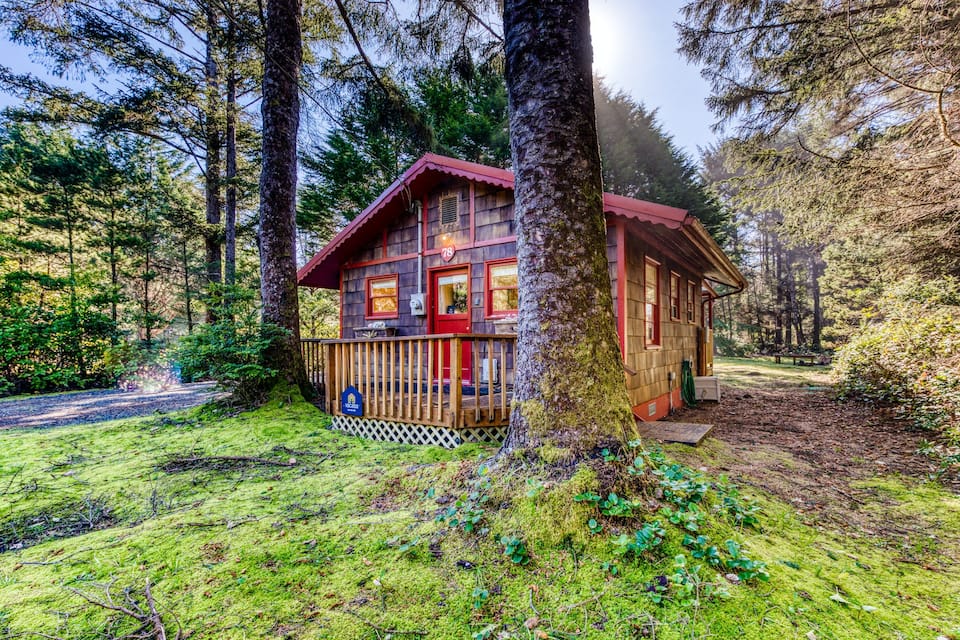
(452, 381)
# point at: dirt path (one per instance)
(63, 409)
(796, 441)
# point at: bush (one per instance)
(231, 351)
(909, 356)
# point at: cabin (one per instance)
(427, 277)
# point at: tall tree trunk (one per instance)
(230, 212)
(569, 390)
(147, 322)
(213, 233)
(112, 242)
(187, 298)
(778, 309)
(816, 270)
(278, 187)
(789, 297)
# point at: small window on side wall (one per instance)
(383, 297)
(502, 292)
(651, 299)
(691, 302)
(674, 296)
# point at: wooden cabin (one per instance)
(427, 276)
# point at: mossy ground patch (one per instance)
(345, 544)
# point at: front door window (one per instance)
(452, 294)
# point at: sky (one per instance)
(635, 50)
(634, 44)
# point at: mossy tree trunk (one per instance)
(278, 186)
(213, 232)
(569, 393)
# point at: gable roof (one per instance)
(323, 270)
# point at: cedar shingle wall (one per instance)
(493, 215)
(678, 338)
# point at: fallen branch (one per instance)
(151, 626)
(158, 631)
(223, 522)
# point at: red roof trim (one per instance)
(630, 208)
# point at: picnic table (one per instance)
(801, 357)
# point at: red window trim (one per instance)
(488, 311)
(691, 302)
(368, 312)
(656, 342)
(675, 275)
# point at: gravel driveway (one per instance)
(61, 409)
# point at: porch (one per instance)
(442, 389)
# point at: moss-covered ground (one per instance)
(322, 535)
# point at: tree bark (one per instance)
(213, 233)
(187, 299)
(569, 390)
(816, 270)
(278, 187)
(230, 212)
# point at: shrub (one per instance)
(909, 356)
(231, 351)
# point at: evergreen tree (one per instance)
(561, 237)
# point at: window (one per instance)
(691, 302)
(449, 206)
(451, 292)
(651, 299)
(674, 296)
(502, 294)
(382, 297)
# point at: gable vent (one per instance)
(448, 209)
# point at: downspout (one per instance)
(419, 207)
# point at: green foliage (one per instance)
(480, 595)
(231, 350)
(617, 507)
(909, 356)
(594, 526)
(645, 539)
(468, 510)
(515, 549)
(91, 235)
(689, 519)
(740, 511)
(701, 549)
(745, 568)
(689, 589)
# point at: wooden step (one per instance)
(683, 432)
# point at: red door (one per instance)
(450, 313)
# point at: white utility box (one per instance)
(708, 388)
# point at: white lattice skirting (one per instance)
(407, 433)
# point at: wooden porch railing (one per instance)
(314, 359)
(452, 380)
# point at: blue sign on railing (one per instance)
(351, 402)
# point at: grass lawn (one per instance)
(322, 535)
(763, 372)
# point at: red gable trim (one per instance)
(319, 273)
(323, 270)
